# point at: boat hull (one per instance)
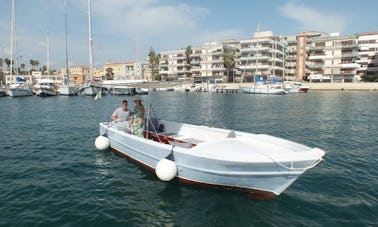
(19, 92)
(263, 90)
(44, 92)
(261, 179)
(68, 90)
(92, 90)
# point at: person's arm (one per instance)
(114, 115)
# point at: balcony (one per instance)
(350, 65)
(349, 55)
(313, 48)
(349, 46)
(315, 66)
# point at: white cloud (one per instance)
(313, 19)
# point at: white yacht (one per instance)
(46, 87)
(20, 88)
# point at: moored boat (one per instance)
(295, 87)
(46, 87)
(20, 88)
(271, 89)
(68, 90)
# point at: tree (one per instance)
(44, 70)
(154, 63)
(34, 63)
(109, 74)
(229, 61)
(8, 62)
(188, 52)
(23, 68)
(369, 78)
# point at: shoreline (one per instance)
(367, 86)
(324, 86)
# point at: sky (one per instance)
(125, 30)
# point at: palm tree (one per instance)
(32, 63)
(36, 63)
(188, 52)
(109, 74)
(44, 70)
(23, 68)
(8, 62)
(229, 61)
(154, 63)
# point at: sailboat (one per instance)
(90, 87)
(264, 166)
(66, 88)
(21, 87)
(46, 86)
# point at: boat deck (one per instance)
(174, 139)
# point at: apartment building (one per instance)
(205, 63)
(79, 74)
(174, 65)
(368, 54)
(333, 58)
(262, 56)
(296, 55)
(124, 70)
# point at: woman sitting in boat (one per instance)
(136, 122)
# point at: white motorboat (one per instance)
(20, 88)
(295, 87)
(46, 87)
(262, 165)
(272, 89)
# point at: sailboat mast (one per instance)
(67, 76)
(90, 39)
(48, 54)
(13, 28)
(137, 39)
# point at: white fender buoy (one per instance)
(102, 143)
(166, 169)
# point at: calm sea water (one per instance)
(52, 175)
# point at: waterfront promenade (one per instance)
(363, 86)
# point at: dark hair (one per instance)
(124, 101)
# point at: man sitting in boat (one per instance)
(121, 116)
(137, 120)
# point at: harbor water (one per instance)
(52, 175)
